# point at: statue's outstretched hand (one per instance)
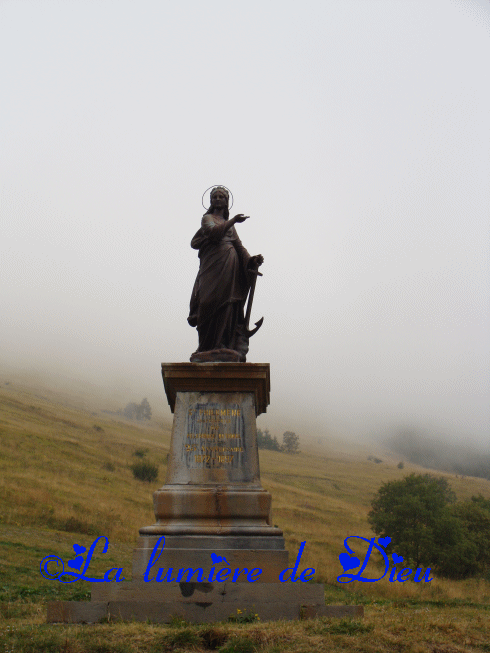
(241, 218)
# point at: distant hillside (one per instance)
(437, 454)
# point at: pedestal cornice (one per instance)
(218, 377)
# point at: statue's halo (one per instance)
(216, 186)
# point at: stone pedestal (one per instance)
(212, 499)
(213, 513)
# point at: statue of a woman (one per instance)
(222, 284)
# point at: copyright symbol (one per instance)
(44, 567)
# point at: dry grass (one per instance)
(68, 469)
(65, 477)
(383, 630)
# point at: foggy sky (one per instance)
(356, 136)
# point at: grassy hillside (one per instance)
(65, 478)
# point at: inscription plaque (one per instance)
(214, 439)
(214, 436)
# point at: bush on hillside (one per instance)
(470, 555)
(408, 512)
(145, 471)
(430, 529)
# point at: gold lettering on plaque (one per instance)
(209, 441)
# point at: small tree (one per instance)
(414, 513)
(290, 442)
(138, 411)
(144, 410)
(130, 410)
(266, 441)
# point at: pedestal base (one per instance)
(199, 603)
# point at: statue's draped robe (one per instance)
(221, 288)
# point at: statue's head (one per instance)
(219, 198)
(219, 191)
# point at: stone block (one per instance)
(245, 594)
(162, 592)
(288, 592)
(199, 602)
(214, 542)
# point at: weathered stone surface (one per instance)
(138, 590)
(213, 542)
(270, 605)
(214, 440)
(201, 602)
(271, 592)
(240, 593)
(213, 478)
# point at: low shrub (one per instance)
(145, 471)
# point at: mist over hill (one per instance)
(437, 453)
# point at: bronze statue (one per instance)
(226, 274)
